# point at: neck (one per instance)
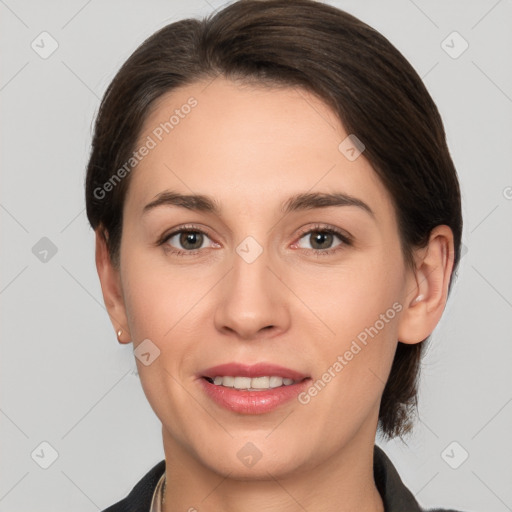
(342, 483)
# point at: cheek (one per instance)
(353, 364)
(353, 296)
(157, 294)
(155, 307)
(359, 307)
(152, 301)
(160, 308)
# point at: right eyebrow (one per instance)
(196, 202)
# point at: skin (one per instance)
(250, 148)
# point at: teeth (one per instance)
(242, 383)
(260, 382)
(252, 384)
(229, 382)
(275, 382)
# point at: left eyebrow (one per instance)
(298, 202)
(309, 200)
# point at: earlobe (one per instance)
(111, 288)
(432, 276)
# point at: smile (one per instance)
(251, 389)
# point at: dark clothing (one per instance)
(395, 495)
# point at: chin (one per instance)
(255, 457)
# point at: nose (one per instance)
(252, 303)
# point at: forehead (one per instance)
(247, 143)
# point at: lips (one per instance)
(256, 370)
(216, 383)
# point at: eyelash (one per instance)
(344, 238)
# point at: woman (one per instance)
(278, 223)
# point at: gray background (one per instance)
(64, 378)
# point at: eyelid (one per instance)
(181, 228)
(342, 234)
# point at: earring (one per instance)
(119, 334)
(418, 299)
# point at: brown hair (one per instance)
(355, 70)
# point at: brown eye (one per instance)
(191, 240)
(320, 240)
(185, 240)
(323, 241)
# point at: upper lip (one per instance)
(255, 370)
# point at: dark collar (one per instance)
(139, 499)
(396, 497)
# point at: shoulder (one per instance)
(139, 499)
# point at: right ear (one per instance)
(111, 288)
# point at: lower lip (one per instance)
(252, 402)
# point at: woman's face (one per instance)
(263, 279)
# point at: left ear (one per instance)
(426, 298)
